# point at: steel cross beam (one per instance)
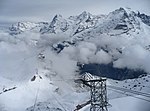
(98, 94)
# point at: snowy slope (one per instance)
(20, 27)
(38, 61)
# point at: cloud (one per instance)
(87, 52)
(101, 57)
(134, 57)
(123, 52)
(51, 39)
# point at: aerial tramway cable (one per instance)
(128, 95)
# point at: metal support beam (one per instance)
(98, 94)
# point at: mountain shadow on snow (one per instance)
(107, 70)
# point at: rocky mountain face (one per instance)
(85, 26)
(21, 27)
(145, 18)
(120, 19)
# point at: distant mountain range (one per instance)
(120, 19)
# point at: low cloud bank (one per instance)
(124, 52)
(87, 52)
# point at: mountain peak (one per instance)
(58, 24)
(84, 14)
(119, 13)
(20, 27)
(126, 11)
(145, 18)
(121, 9)
(57, 16)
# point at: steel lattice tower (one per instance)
(98, 92)
(98, 95)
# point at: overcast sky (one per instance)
(44, 10)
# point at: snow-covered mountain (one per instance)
(144, 18)
(119, 22)
(21, 27)
(120, 19)
(40, 61)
